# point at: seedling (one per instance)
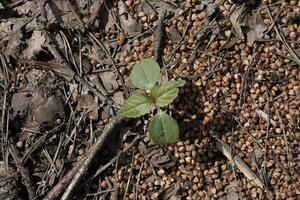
(163, 129)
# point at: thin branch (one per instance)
(24, 172)
(158, 36)
(85, 163)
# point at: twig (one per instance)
(109, 129)
(280, 34)
(76, 14)
(60, 187)
(99, 171)
(129, 177)
(242, 166)
(137, 181)
(24, 172)
(94, 13)
(43, 18)
(73, 177)
(53, 49)
(4, 128)
(38, 143)
(108, 54)
(158, 36)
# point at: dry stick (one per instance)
(99, 171)
(62, 184)
(73, 177)
(38, 142)
(280, 34)
(53, 49)
(4, 132)
(137, 182)
(129, 177)
(158, 36)
(24, 172)
(109, 128)
(94, 12)
(75, 13)
(109, 55)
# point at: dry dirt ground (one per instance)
(64, 68)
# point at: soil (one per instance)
(64, 74)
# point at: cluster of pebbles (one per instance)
(247, 95)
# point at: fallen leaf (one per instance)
(109, 81)
(34, 45)
(255, 24)
(20, 102)
(29, 8)
(49, 111)
(87, 102)
(156, 155)
(235, 19)
(241, 165)
(232, 192)
(231, 43)
(11, 35)
(110, 21)
(59, 12)
(248, 25)
(118, 98)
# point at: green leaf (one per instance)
(165, 94)
(163, 129)
(136, 106)
(145, 74)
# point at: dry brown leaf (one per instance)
(110, 21)
(156, 155)
(235, 19)
(20, 102)
(118, 98)
(57, 68)
(248, 25)
(49, 111)
(28, 8)
(231, 191)
(109, 81)
(153, 7)
(34, 45)
(255, 25)
(87, 102)
(231, 43)
(59, 12)
(241, 165)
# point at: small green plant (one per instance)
(163, 129)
